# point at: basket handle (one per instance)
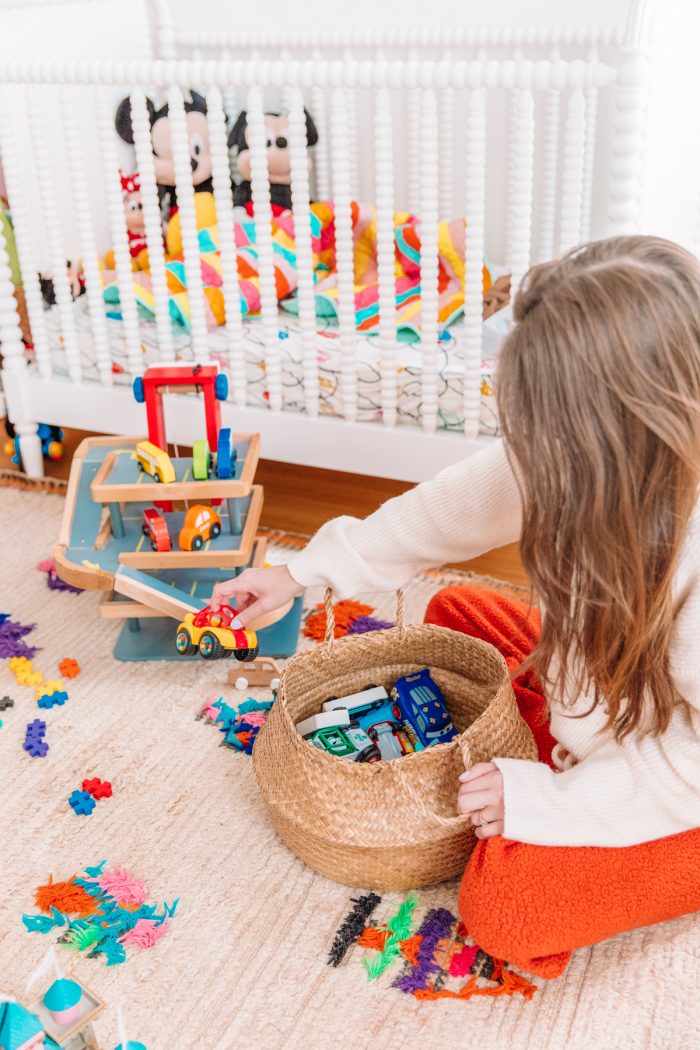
(330, 618)
(458, 819)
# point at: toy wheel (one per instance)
(197, 543)
(156, 478)
(144, 530)
(139, 464)
(372, 734)
(183, 643)
(154, 546)
(210, 646)
(221, 387)
(246, 656)
(139, 392)
(215, 530)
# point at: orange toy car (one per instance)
(201, 524)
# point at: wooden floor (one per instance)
(301, 499)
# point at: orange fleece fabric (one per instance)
(533, 905)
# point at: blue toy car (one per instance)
(225, 454)
(423, 706)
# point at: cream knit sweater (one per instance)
(611, 794)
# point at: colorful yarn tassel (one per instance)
(345, 613)
(436, 926)
(352, 927)
(400, 928)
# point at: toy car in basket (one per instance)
(210, 632)
(423, 706)
(381, 718)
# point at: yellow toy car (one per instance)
(209, 631)
(152, 460)
(201, 523)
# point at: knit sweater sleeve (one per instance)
(464, 511)
(620, 794)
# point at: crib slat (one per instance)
(49, 208)
(15, 365)
(23, 239)
(474, 258)
(302, 235)
(117, 228)
(550, 160)
(520, 177)
(349, 58)
(446, 147)
(188, 223)
(322, 147)
(414, 147)
(384, 176)
(260, 186)
(153, 223)
(628, 146)
(429, 259)
(344, 254)
(572, 172)
(91, 269)
(591, 106)
(227, 244)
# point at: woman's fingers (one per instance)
(469, 802)
(478, 770)
(225, 590)
(489, 831)
(487, 814)
(253, 611)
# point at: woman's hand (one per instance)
(481, 794)
(256, 592)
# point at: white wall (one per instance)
(119, 28)
(76, 29)
(374, 14)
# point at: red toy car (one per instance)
(210, 632)
(155, 528)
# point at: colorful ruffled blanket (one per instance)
(451, 237)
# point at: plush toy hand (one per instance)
(481, 794)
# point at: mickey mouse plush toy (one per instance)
(197, 133)
(278, 162)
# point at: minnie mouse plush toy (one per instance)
(135, 225)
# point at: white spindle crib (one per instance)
(534, 136)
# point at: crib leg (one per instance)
(30, 449)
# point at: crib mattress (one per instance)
(408, 369)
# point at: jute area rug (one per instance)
(244, 965)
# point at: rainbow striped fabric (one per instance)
(407, 246)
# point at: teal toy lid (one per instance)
(130, 1045)
(62, 995)
(17, 1026)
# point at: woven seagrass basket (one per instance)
(385, 825)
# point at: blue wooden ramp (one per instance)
(155, 592)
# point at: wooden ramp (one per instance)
(148, 590)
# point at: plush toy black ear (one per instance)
(311, 131)
(236, 137)
(122, 120)
(196, 103)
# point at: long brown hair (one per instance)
(599, 397)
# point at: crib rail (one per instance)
(556, 182)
